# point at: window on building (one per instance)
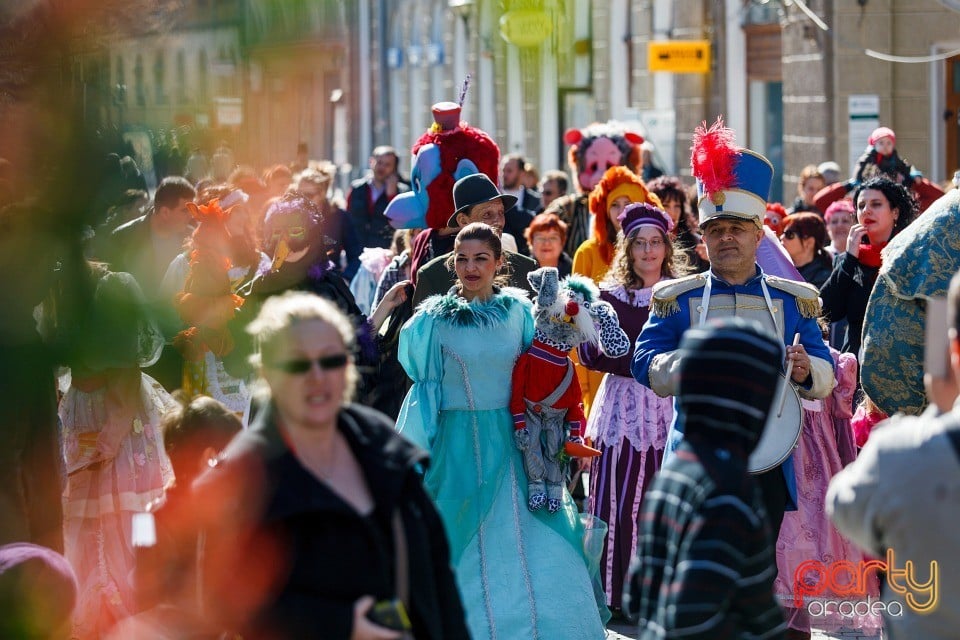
(203, 68)
(396, 63)
(120, 89)
(140, 88)
(766, 127)
(234, 71)
(159, 78)
(181, 77)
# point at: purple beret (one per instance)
(37, 586)
(643, 214)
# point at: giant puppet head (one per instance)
(449, 150)
(597, 147)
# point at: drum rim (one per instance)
(793, 445)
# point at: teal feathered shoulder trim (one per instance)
(483, 314)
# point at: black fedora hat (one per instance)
(475, 189)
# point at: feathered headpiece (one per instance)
(731, 182)
(207, 302)
(713, 156)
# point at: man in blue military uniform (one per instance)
(731, 221)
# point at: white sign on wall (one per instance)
(863, 117)
(229, 112)
(659, 126)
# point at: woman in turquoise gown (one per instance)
(520, 574)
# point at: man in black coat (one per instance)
(144, 248)
(370, 196)
(518, 218)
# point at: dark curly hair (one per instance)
(669, 188)
(899, 197)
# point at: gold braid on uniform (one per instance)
(806, 295)
(665, 294)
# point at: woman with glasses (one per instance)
(628, 422)
(521, 574)
(318, 522)
(546, 236)
(617, 188)
(804, 235)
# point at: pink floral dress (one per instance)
(826, 446)
(112, 451)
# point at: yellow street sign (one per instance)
(679, 56)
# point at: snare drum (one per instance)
(780, 435)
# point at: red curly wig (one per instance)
(603, 229)
(464, 142)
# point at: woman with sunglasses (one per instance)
(521, 574)
(804, 235)
(628, 422)
(884, 209)
(318, 523)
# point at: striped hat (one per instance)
(727, 379)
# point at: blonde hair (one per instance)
(281, 312)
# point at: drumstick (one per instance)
(783, 393)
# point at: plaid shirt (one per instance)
(705, 565)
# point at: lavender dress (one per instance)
(628, 423)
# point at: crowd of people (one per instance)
(276, 384)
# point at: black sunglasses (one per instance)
(302, 365)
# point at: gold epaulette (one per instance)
(665, 293)
(806, 295)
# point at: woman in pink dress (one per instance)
(112, 448)
(807, 534)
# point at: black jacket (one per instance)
(518, 217)
(371, 227)
(328, 555)
(817, 271)
(845, 296)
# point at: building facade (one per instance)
(797, 83)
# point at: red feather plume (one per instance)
(713, 156)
